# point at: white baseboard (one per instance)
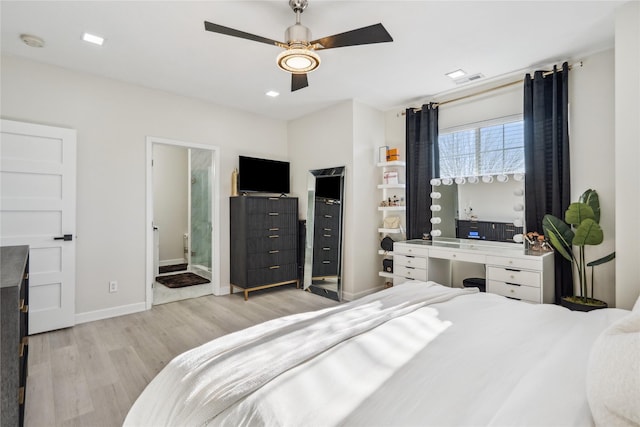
(349, 296)
(107, 313)
(172, 262)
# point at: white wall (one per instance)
(347, 134)
(627, 153)
(170, 200)
(113, 120)
(368, 135)
(591, 139)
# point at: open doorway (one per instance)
(182, 214)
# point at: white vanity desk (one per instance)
(511, 270)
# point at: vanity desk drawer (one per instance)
(410, 272)
(409, 249)
(514, 276)
(515, 291)
(530, 263)
(410, 261)
(457, 256)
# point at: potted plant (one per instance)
(581, 227)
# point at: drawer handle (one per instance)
(26, 276)
(517, 299)
(274, 198)
(274, 229)
(326, 229)
(511, 269)
(326, 249)
(274, 236)
(454, 255)
(24, 308)
(21, 305)
(326, 262)
(274, 267)
(328, 216)
(512, 284)
(326, 235)
(21, 396)
(273, 252)
(23, 343)
(273, 214)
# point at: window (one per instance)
(483, 150)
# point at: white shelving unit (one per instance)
(387, 192)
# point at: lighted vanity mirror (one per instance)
(323, 243)
(482, 208)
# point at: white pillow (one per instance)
(613, 374)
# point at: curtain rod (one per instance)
(482, 92)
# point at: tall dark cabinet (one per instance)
(264, 242)
(14, 326)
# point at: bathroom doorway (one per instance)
(182, 211)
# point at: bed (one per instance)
(414, 354)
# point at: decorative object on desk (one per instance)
(382, 153)
(537, 242)
(581, 227)
(391, 222)
(234, 182)
(426, 236)
(387, 244)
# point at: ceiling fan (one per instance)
(299, 56)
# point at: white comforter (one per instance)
(388, 359)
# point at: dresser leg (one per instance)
(246, 295)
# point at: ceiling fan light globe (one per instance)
(298, 60)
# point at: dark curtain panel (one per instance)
(422, 165)
(546, 156)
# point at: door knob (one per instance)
(66, 237)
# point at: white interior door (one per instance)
(38, 208)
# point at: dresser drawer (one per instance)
(272, 274)
(407, 249)
(531, 263)
(271, 204)
(271, 257)
(519, 277)
(266, 244)
(261, 221)
(410, 261)
(410, 272)
(456, 255)
(525, 293)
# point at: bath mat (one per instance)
(171, 268)
(181, 280)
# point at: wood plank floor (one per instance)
(90, 374)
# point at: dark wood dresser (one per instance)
(264, 242)
(14, 326)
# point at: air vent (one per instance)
(32, 41)
(469, 78)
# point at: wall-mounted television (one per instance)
(263, 175)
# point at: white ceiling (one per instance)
(163, 45)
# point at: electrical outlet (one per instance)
(113, 286)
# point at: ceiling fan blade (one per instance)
(237, 33)
(366, 35)
(298, 81)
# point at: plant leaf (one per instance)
(588, 232)
(578, 212)
(602, 260)
(560, 235)
(591, 198)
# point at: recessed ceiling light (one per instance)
(32, 41)
(272, 93)
(92, 38)
(455, 74)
